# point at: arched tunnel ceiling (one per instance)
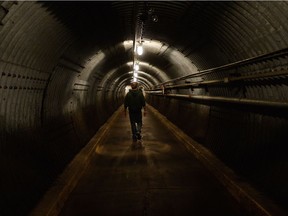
(206, 33)
(106, 26)
(116, 20)
(188, 36)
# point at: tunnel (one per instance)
(216, 70)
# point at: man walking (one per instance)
(135, 101)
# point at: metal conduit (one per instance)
(242, 101)
(276, 54)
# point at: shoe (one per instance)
(139, 137)
(139, 144)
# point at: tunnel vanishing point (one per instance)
(217, 70)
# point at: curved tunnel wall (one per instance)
(46, 113)
(249, 139)
(58, 87)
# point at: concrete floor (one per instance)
(161, 178)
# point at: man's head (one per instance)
(134, 85)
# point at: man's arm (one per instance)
(144, 105)
(145, 111)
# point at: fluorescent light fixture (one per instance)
(140, 49)
(136, 67)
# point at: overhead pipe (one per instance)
(135, 19)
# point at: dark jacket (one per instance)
(134, 100)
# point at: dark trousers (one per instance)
(136, 124)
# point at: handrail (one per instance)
(243, 101)
(225, 80)
(263, 57)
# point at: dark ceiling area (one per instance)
(82, 18)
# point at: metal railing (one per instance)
(161, 89)
(230, 100)
(260, 58)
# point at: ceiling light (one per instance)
(136, 67)
(140, 49)
(155, 18)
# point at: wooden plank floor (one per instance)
(161, 178)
